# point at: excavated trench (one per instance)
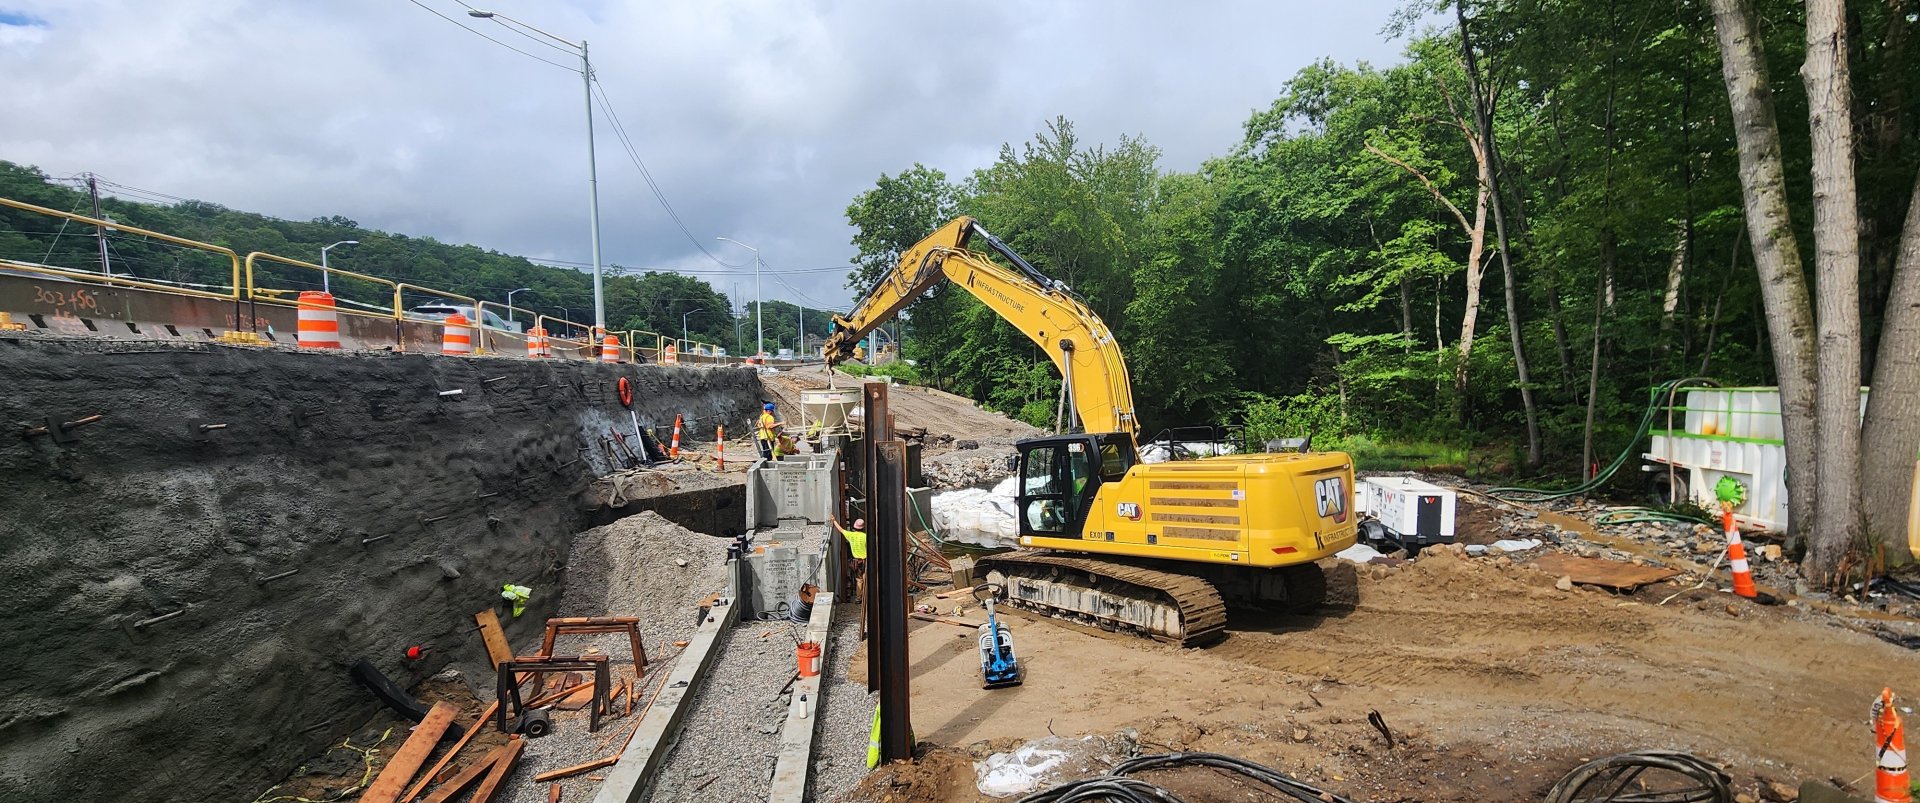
(190, 576)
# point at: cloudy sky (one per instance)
(759, 121)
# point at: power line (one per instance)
(620, 131)
(503, 23)
(464, 27)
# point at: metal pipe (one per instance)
(158, 619)
(281, 576)
(366, 541)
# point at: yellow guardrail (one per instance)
(273, 295)
(484, 333)
(400, 314)
(244, 285)
(232, 292)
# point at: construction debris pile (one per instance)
(1695, 553)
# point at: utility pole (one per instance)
(99, 232)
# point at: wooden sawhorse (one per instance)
(584, 625)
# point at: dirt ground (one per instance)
(946, 417)
(1493, 682)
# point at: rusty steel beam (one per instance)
(887, 575)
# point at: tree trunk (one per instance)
(1676, 274)
(1560, 346)
(1892, 432)
(1406, 311)
(1882, 134)
(1836, 243)
(1608, 252)
(1483, 101)
(1776, 254)
(1476, 252)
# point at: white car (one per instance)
(441, 310)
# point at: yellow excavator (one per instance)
(1155, 549)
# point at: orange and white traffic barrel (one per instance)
(319, 321)
(673, 356)
(610, 349)
(536, 343)
(1890, 784)
(457, 336)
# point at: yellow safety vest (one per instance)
(856, 543)
(766, 426)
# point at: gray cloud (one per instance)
(760, 120)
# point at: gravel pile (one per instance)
(978, 467)
(632, 567)
(846, 714)
(726, 748)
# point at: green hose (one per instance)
(1632, 515)
(1665, 391)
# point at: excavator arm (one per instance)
(1099, 391)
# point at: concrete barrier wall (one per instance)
(56, 305)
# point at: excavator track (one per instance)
(1164, 606)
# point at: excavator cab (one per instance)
(1060, 475)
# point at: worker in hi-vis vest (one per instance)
(768, 431)
(857, 567)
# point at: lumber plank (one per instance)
(567, 772)
(465, 780)
(580, 698)
(502, 767)
(549, 699)
(1605, 573)
(485, 717)
(553, 793)
(495, 638)
(395, 775)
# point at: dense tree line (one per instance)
(1509, 237)
(651, 301)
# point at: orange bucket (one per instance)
(808, 654)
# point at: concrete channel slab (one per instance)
(796, 738)
(642, 758)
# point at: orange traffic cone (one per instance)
(673, 452)
(1737, 558)
(1890, 784)
(720, 448)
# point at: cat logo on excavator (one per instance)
(1330, 495)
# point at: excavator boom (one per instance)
(1100, 393)
(1154, 549)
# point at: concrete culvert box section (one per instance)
(192, 598)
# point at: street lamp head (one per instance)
(480, 14)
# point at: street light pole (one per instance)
(510, 301)
(684, 334)
(325, 285)
(760, 331)
(593, 170)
